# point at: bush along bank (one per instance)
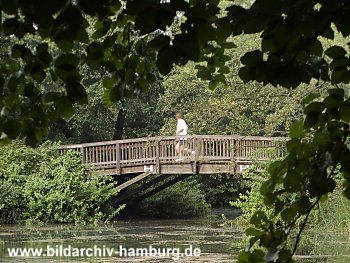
(42, 186)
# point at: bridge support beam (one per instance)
(132, 181)
(131, 193)
(159, 188)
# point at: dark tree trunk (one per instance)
(63, 127)
(119, 125)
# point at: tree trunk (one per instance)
(119, 125)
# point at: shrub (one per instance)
(251, 200)
(182, 200)
(40, 185)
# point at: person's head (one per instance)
(178, 116)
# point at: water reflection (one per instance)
(217, 244)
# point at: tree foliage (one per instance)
(129, 37)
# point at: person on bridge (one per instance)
(181, 133)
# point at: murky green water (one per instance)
(217, 244)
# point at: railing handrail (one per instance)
(160, 150)
(166, 138)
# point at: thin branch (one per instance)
(307, 217)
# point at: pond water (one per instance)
(216, 243)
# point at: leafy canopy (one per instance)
(129, 37)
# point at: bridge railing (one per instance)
(157, 150)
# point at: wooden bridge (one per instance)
(139, 158)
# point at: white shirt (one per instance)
(181, 125)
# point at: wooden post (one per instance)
(196, 155)
(197, 148)
(117, 157)
(82, 154)
(157, 155)
(233, 153)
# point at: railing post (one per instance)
(198, 142)
(157, 155)
(82, 154)
(233, 153)
(196, 145)
(117, 157)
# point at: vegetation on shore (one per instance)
(184, 199)
(41, 186)
(328, 227)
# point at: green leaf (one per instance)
(289, 213)
(228, 45)
(311, 120)
(18, 51)
(9, 65)
(332, 102)
(117, 92)
(76, 92)
(186, 46)
(109, 82)
(259, 219)
(10, 25)
(252, 57)
(223, 31)
(257, 256)
(224, 70)
(297, 130)
(339, 64)
(243, 256)
(314, 107)
(284, 255)
(64, 107)
(251, 231)
(316, 48)
(159, 42)
(213, 84)
(335, 52)
(345, 113)
(340, 76)
(165, 59)
(276, 168)
(304, 205)
(12, 128)
(67, 61)
(38, 74)
(267, 187)
(43, 47)
(45, 58)
(293, 182)
(309, 98)
(143, 84)
(99, 33)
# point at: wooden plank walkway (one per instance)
(156, 155)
